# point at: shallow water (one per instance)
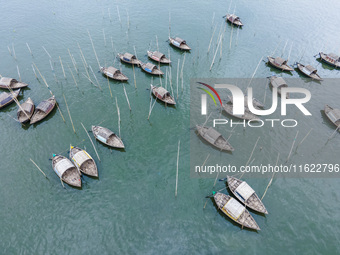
(131, 208)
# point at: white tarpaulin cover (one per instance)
(234, 208)
(62, 166)
(80, 157)
(244, 190)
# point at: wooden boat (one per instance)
(256, 103)
(43, 109)
(26, 110)
(163, 95)
(10, 83)
(83, 161)
(159, 57)
(279, 83)
(151, 69)
(113, 73)
(66, 171)
(179, 43)
(246, 194)
(215, 138)
(107, 137)
(233, 19)
(333, 115)
(8, 98)
(235, 210)
(309, 71)
(248, 115)
(280, 63)
(129, 58)
(331, 59)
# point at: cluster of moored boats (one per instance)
(236, 209)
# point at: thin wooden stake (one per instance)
(74, 64)
(94, 48)
(38, 168)
(104, 37)
(134, 75)
(74, 79)
(211, 38)
(179, 143)
(292, 146)
(108, 83)
(182, 70)
(177, 76)
(120, 21)
(62, 67)
(95, 78)
(271, 180)
(9, 50)
(46, 51)
(19, 73)
(127, 99)
(29, 49)
(304, 138)
(34, 72)
(69, 114)
(118, 112)
(15, 57)
(94, 147)
(212, 63)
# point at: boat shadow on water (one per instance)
(230, 220)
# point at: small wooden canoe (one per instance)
(280, 63)
(158, 57)
(66, 171)
(113, 73)
(150, 69)
(26, 110)
(10, 83)
(331, 59)
(279, 83)
(333, 115)
(309, 71)
(129, 58)
(248, 115)
(246, 194)
(235, 210)
(43, 109)
(83, 161)
(233, 19)
(107, 137)
(214, 138)
(179, 43)
(8, 98)
(163, 95)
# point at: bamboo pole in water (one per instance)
(182, 70)
(255, 72)
(94, 147)
(94, 50)
(29, 49)
(212, 63)
(15, 57)
(62, 67)
(118, 112)
(104, 37)
(304, 138)
(34, 72)
(46, 52)
(38, 168)
(19, 73)
(179, 143)
(95, 78)
(69, 114)
(74, 79)
(120, 21)
(134, 75)
(74, 64)
(290, 152)
(177, 75)
(9, 50)
(127, 99)
(108, 83)
(271, 180)
(211, 38)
